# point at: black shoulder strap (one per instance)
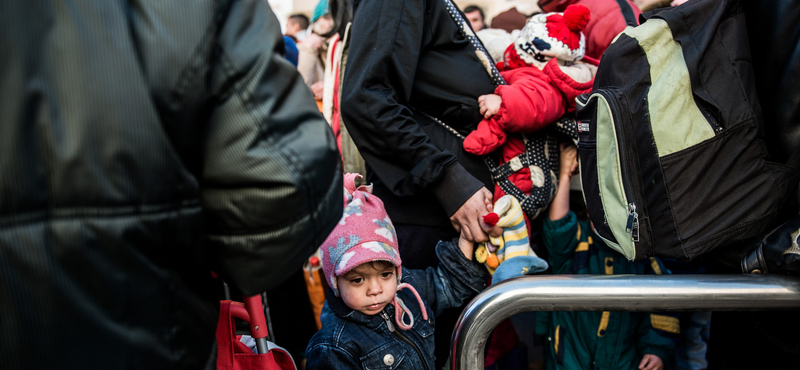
(466, 31)
(627, 13)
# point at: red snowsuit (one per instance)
(532, 100)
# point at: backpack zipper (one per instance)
(632, 225)
(404, 338)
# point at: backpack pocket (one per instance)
(723, 190)
(606, 170)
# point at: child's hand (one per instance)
(559, 207)
(494, 230)
(466, 246)
(569, 159)
(489, 104)
(651, 362)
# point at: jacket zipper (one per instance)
(404, 338)
(632, 225)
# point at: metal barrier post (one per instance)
(612, 293)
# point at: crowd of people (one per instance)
(435, 196)
(396, 101)
(149, 147)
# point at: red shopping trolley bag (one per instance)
(233, 354)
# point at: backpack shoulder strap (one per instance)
(466, 31)
(627, 13)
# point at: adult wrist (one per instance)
(455, 188)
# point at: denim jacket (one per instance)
(350, 339)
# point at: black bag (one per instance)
(672, 159)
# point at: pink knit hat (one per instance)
(364, 234)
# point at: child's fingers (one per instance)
(650, 362)
(571, 149)
(495, 231)
(651, 366)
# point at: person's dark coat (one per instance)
(141, 146)
(408, 59)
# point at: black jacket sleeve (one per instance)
(271, 179)
(387, 40)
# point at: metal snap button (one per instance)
(388, 360)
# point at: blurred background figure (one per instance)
(291, 50)
(509, 20)
(475, 17)
(314, 49)
(505, 28)
(297, 26)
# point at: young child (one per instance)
(545, 70)
(378, 314)
(596, 340)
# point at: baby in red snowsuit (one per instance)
(545, 70)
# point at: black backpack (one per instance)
(672, 159)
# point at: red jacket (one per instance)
(532, 100)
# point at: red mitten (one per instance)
(485, 139)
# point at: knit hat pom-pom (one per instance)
(491, 219)
(576, 17)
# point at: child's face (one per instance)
(369, 287)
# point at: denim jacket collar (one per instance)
(340, 309)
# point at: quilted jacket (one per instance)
(143, 144)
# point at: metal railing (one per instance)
(613, 293)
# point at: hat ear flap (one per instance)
(512, 59)
(350, 182)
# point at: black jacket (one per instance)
(141, 145)
(407, 57)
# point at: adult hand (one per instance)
(468, 220)
(316, 88)
(313, 41)
(651, 362)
